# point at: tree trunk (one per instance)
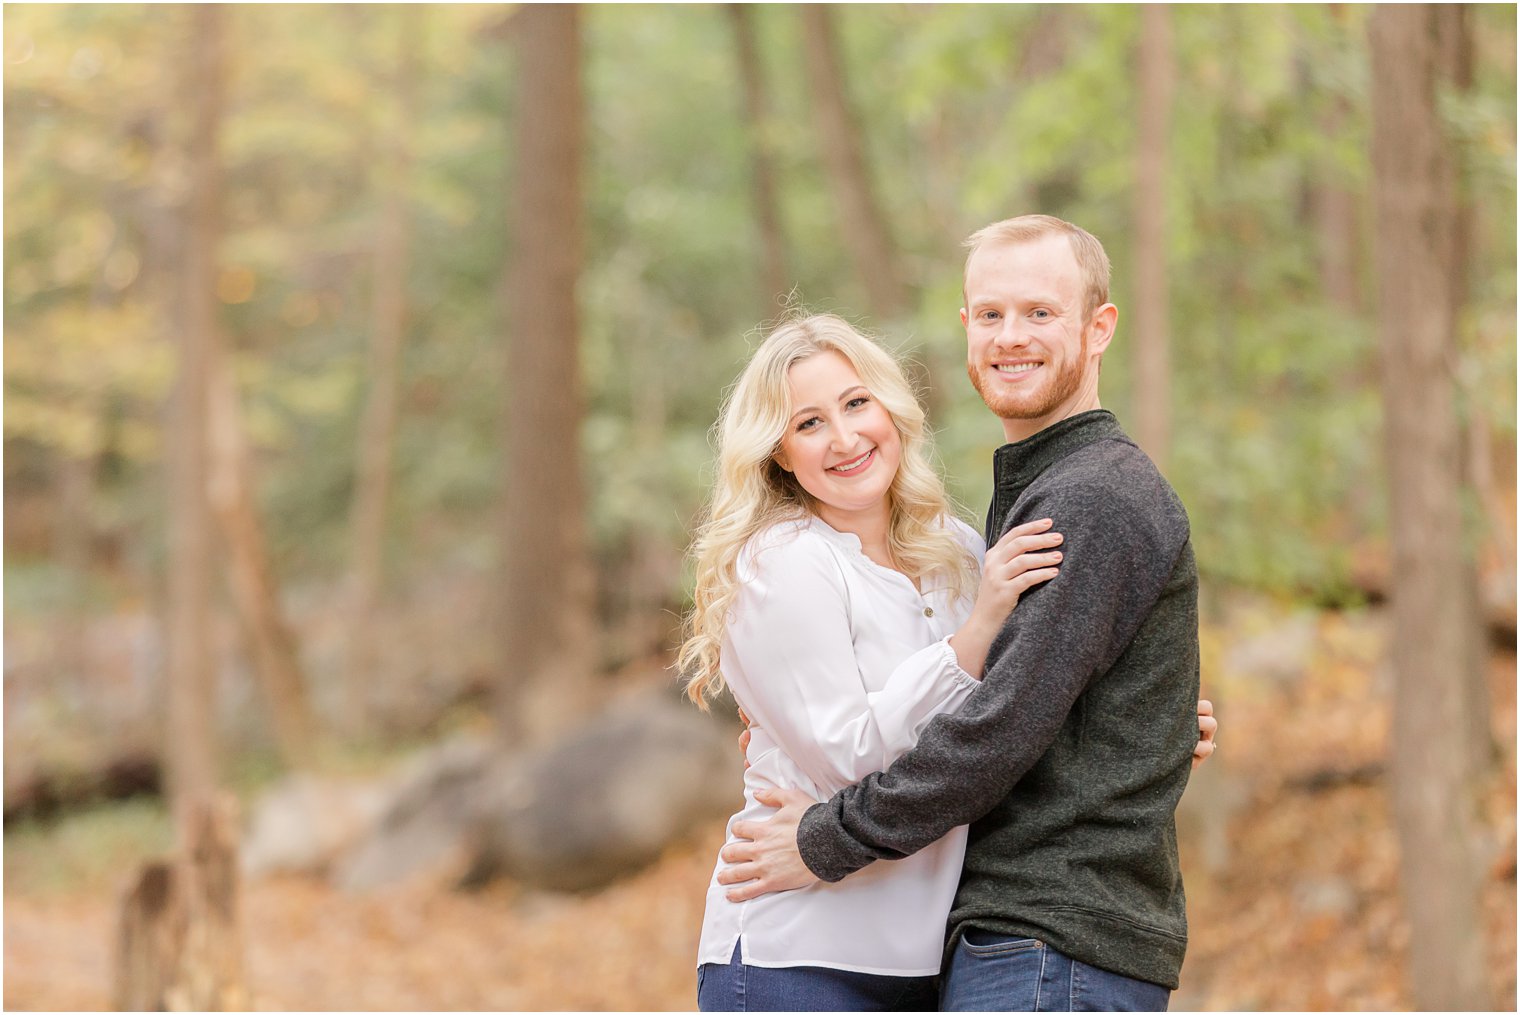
(179, 943)
(72, 537)
(192, 678)
(547, 622)
(1231, 290)
(773, 276)
(1430, 647)
(1152, 397)
(250, 577)
(193, 956)
(150, 936)
(388, 321)
(1454, 60)
(866, 234)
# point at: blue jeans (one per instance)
(989, 972)
(737, 987)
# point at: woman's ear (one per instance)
(780, 459)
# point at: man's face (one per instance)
(1031, 352)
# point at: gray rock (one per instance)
(430, 819)
(305, 822)
(600, 802)
(609, 797)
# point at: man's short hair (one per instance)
(1092, 261)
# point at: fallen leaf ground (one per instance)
(1289, 854)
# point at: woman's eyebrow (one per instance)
(846, 393)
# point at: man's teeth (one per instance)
(847, 466)
(1015, 368)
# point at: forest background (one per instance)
(359, 365)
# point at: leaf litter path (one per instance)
(416, 947)
(1289, 853)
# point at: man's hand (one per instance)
(769, 861)
(1207, 727)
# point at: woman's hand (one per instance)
(1020, 560)
(1207, 727)
(1014, 564)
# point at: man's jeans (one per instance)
(989, 972)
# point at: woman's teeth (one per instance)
(853, 463)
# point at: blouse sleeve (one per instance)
(790, 637)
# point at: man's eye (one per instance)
(989, 315)
(1041, 314)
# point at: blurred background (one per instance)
(359, 365)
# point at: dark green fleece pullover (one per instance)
(1069, 759)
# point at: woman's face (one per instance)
(840, 442)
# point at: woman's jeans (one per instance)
(737, 987)
(989, 972)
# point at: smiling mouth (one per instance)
(854, 465)
(1016, 369)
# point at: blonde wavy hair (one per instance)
(752, 492)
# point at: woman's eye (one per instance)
(807, 424)
(856, 402)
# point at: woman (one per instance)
(834, 598)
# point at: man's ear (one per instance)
(964, 317)
(1100, 330)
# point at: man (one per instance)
(1069, 759)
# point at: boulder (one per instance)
(305, 822)
(600, 802)
(609, 797)
(429, 820)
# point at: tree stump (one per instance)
(180, 938)
(150, 938)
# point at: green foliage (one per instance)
(88, 849)
(969, 113)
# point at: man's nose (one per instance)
(1011, 334)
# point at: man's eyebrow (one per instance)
(1038, 299)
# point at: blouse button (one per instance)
(928, 611)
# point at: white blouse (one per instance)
(840, 663)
